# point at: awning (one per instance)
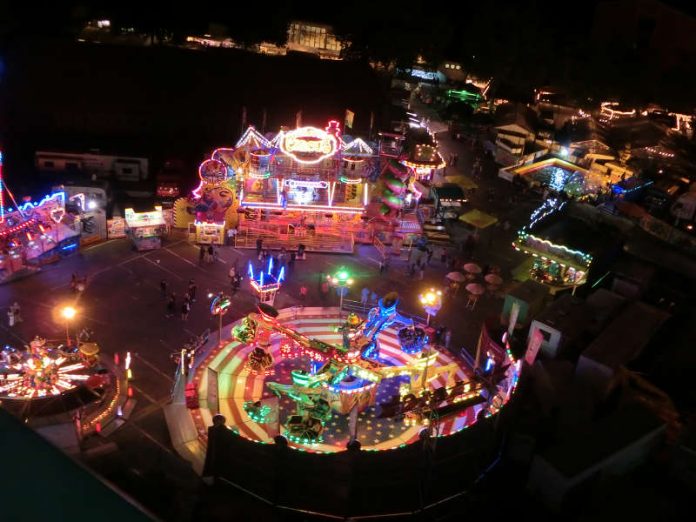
(478, 219)
(464, 182)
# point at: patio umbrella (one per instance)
(493, 279)
(457, 277)
(475, 288)
(478, 219)
(472, 268)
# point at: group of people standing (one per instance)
(14, 314)
(189, 298)
(207, 255)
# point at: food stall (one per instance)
(146, 228)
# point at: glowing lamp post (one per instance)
(432, 302)
(219, 306)
(341, 280)
(68, 313)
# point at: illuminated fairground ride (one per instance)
(306, 186)
(33, 233)
(266, 283)
(316, 378)
(49, 379)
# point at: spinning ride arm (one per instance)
(380, 318)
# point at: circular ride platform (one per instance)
(247, 400)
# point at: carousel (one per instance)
(49, 381)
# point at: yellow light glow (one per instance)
(68, 312)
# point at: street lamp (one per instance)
(342, 280)
(68, 313)
(432, 302)
(219, 306)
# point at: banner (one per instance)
(533, 346)
(514, 314)
(350, 115)
(116, 228)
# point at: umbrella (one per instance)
(475, 288)
(472, 268)
(493, 279)
(478, 219)
(457, 277)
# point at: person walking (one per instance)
(259, 246)
(364, 296)
(163, 288)
(448, 338)
(10, 317)
(185, 309)
(303, 293)
(171, 305)
(192, 288)
(201, 254)
(469, 246)
(232, 274)
(324, 288)
(17, 312)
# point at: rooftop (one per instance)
(627, 335)
(598, 441)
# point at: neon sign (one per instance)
(292, 183)
(211, 171)
(425, 75)
(308, 145)
(138, 219)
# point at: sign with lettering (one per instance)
(308, 145)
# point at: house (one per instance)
(561, 324)
(123, 168)
(515, 133)
(618, 344)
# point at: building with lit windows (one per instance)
(314, 38)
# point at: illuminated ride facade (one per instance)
(304, 373)
(307, 186)
(550, 242)
(33, 234)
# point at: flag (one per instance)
(514, 314)
(244, 118)
(533, 346)
(298, 119)
(372, 123)
(350, 115)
